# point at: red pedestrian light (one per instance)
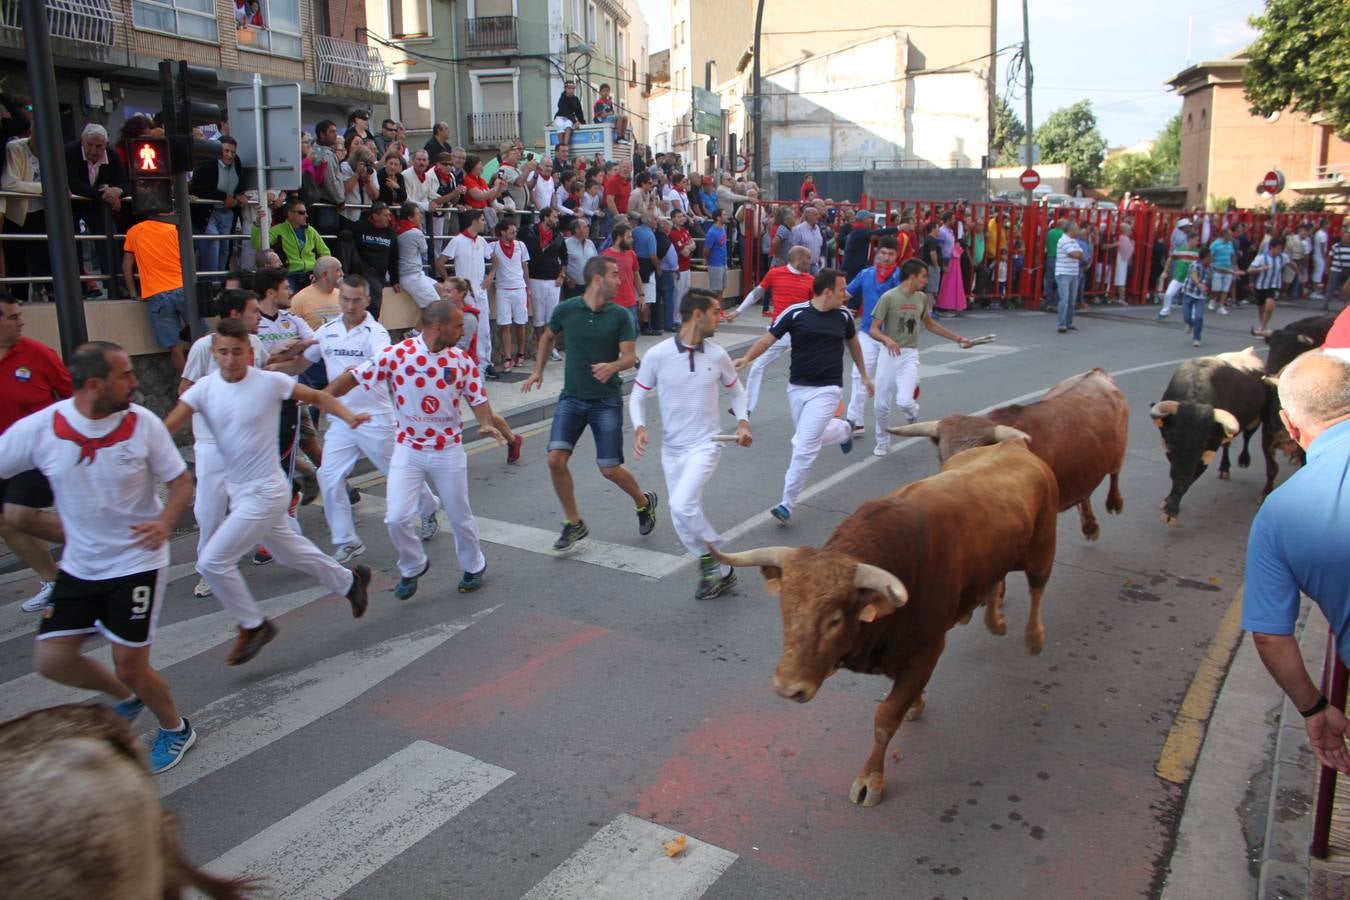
(150, 156)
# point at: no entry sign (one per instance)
(1029, 180)
(1273, 183)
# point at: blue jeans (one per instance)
(1193, 314)
(1066, 285)
(168, 317)
(666, 300)
(215, 255)
(1051, 282)
(605, 418)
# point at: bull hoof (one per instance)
(999, 627)
(1171, 521)
(915, 710)
(1244, 460)
(1092, 532)
(1225, 476)
(868, 791)
(1115, 507)
(1035, 642)
(1162, 504)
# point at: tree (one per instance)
(1070, 135)
(1009, 135)
(1301, 58)
(1167, 146)
(1129, 172)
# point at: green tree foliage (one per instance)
(1167, 146)
(1009, 135)
(1301, 58)
(1129, 172)
(1070, 135)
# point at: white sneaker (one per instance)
(202, 590)
(348, 552)
(1223, 310)
(555, 355)
(429, 526)
(41, 600)
(1211, 306)
(881, 451)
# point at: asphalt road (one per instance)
(545, 736)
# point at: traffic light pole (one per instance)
(65, 257)
(182, 209)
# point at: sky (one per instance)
(1115, 54)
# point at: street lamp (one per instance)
(756, 94)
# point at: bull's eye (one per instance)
(835, 620)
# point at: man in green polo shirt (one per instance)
(601, 343)
(1051, 248)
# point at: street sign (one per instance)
(707, 116)
(1273, 183)
(1030, 180)
(280, 141)
(741, 163)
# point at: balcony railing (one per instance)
(350, 64)
(490, 129)
(86, 21)
(491, 33)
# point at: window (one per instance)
(578, 18)
(272, 26)
(591, 34)
(413, 104)
(186, 18)
(409, 19)
(618, 47)
(609, 38)
(496, 105)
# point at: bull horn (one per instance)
(1307, 339)
(760, 556)
(1008, 433)
(916, 429)
(1228, 421)
(1164, 408)
(874, 578)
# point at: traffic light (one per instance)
(182, 113)
(151, 178)
(713, 146)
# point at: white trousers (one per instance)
(409, 471)
(258, 515)
(681, 288)
(1173, 288)
(762, 362)
(420, 288)
(897, 377)
(342, 447)
(544, 294)
(687, 472)
(484, 330)
(815, 426)
(211, 502)
(857, 403)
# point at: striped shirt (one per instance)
(1064, 263)
(1340, 257)
(1271, 274)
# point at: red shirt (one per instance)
(618, 188)
(788, 287)
(681, 239)
(32, 376)
(474, 183)
(628, 273)
(905, 247)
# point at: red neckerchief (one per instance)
(545, 237)
(507, 248)
(421, 176)
(402, 225)
(89, 447)
(883, 274)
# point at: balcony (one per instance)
(349, 64)
(491, 129)
(85, 21)
(491, 34)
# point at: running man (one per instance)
(601, 343)
(456, 290)
(687, 371)
(788, 285)
(820, 330)
(1268, 281)
(241, 405)
(103, 456)
(428, 375)
(869, 285)
(345, 343)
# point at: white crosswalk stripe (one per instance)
(626, 860)
(265, 712)
(330, 845)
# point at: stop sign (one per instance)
(1273, 182)
(1029, 180)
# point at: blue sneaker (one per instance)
(169, 746)
(847, 445)
(471, 581)
(130, 708)
(407, 585)
(781, 513)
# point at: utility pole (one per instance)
(756, 113)
(1026, 67)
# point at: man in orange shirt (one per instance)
(621, 251)
(789, 285)
(153, 246)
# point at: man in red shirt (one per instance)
(32, 376)
(685, 247)
(621, 251)
(788, 285)
(617, 188)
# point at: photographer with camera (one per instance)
(359, 181)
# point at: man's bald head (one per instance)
(1315, 392)
(442, 325)
(799, 258)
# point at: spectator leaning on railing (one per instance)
(23, 175)
(100, 178)
(298, 243)
(153, 246)
(222, 181)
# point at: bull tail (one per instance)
(180, 874)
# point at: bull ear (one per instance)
(773, 579)
(1161, 410)
(883, 593)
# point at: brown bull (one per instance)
(1080, 427)
(880, 596)
(81, 817)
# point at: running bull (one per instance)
(1080, 427)
(82, 818)
(1288, 343)
(897, 574)
(1208, 402)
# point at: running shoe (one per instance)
(847, 445)
(1211, 306)
(309, 488)
(712, 583)
(250, 642)
(490, 371)
(169, 746)
(858, 430)
(520, 360)
(261, 557)
(1162, 314)
(41, 600)
(429, 526)
(1223, 310)
(513, 449)
(781, 513)
(555, 354)
(1195, 343)
(358, 595)
(353, 495)
(202, 589)
(508, 364)
(471, 581)
(130, 708)
(407, 585)
(647, 513)
(571, 533)
(348, 552)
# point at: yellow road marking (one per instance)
(1182, 748)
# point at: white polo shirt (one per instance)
(687, 381)
(470, 256)
(342, 349)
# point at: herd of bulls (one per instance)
(897, 574)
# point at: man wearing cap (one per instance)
(358, 123)
(1185, 248)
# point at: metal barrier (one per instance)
(1334, 681)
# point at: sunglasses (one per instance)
(299, 212)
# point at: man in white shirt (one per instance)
(544, 190)
(1320, 246)
(511, 274)
(470, 253)
(420, 182)
(103, 456)
(344, 344)
(428, 375)
(241, 405)
(687, 372)
(580, 250)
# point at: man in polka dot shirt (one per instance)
(427, 376)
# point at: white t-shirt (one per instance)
(544, 191)
(687, 382)
(427, 387)
(244, 416)
(286, 326)
(342, 349)
(510, 269)
(202, 362)
(103, 473)
(470, 256)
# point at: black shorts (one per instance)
(124, 610)
(27, 489)
(1264, 294)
